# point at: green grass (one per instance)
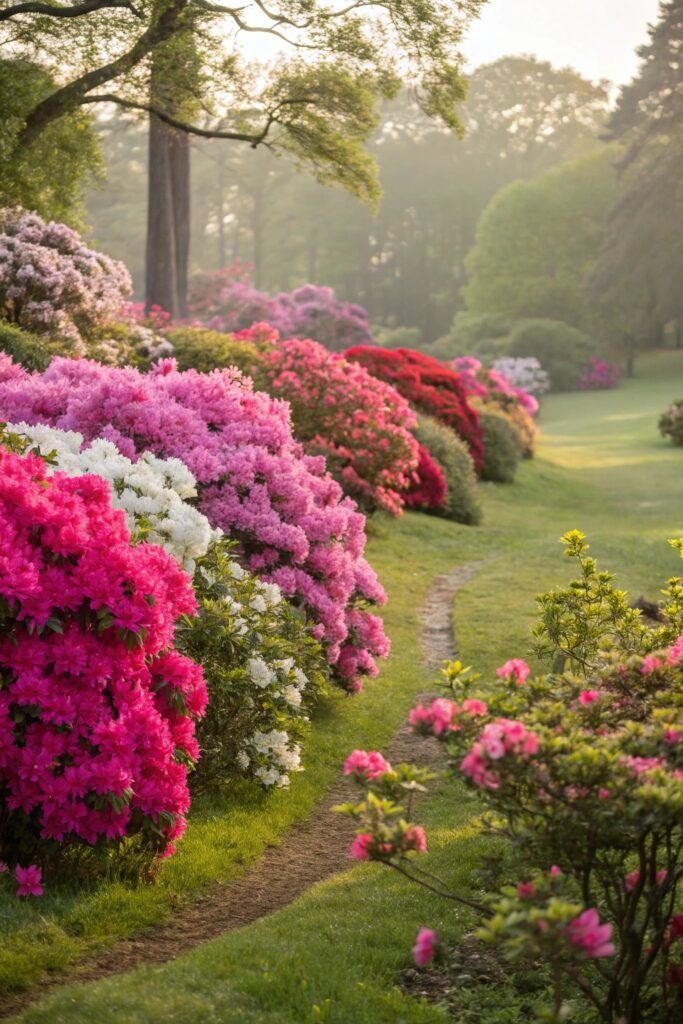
(337, 953)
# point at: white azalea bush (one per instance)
(524, 373)
(262, 666)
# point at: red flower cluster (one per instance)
(430, 386)
(429, 487)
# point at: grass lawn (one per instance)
(337, 953)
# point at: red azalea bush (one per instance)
(428, 490)
(293, 525)
(581, 773)
(97, 708)
(430, 386)
(360, 424)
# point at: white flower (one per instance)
(261, 674)
(258, 604)
(293, 696)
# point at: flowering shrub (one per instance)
(263, 670)
(428, 491)
(360, 424)
(526, 375)
(227, 301)
(97, 707)
(599, 375)
(490, 391)
(293, 526)
(52, 283)
(581, 771)
(461, 502)
(430, 386)
(671, 423)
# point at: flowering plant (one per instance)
(491, 392)
(599, 375)
(430, 386)
(97, 707)
(292, 523)
(671, 423)
(52, 283)
(526, 374)
(360, 424)
(428, 490)
(582, 772)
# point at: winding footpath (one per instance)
(312, 851)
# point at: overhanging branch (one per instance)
(75, 11)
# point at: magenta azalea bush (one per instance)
(293, 525)
(52, 283)
(97, 708)
(599, 375)
(359, 423)
(226, 300)
(580, 771)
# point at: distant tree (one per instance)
(182, 63)
(636, 285)
(537, 241)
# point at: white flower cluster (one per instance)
(284, 757)
(152, 491)
(527, 374)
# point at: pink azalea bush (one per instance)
(581, 771)
(97, 708)
(599, 375)
(359, 423)
(292, 522)
(52, 283)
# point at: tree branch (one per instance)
(76, 11)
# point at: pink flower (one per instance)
(525, 890)
(360, 847)
(661, 876)
(650, 664)
(555, 871)
(28, 880)
(425, 946)
(588, 697)
(631, 880)
(3, 867)
(366, 765)
(515, 669)
(586, 932)
(437, 719)
(474, 707)
(416, 839)
(603, 794)
(676, 652)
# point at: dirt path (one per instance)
(310, 852)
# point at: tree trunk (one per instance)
(179, 143)
(161, 287)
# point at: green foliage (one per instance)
(197, 348)
(537, 240)
(463, 503)
(483, 335)
(502, 448)
(52, 176)
(671, 423)
(32, 352)
(263, 669)
(562, 350)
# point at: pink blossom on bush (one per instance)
(498, 739)
(415, 839)
(29, 880)
(592, 937)
(87, 633)
(364, 764)
(525, 890)
(650, 664)
(294, 526)
(439, 717)
(676, 652)
(598, 375)
(515, 669)
(51, 282)
(360, 847)
(587, 697)
(474, 707)
(425, 946)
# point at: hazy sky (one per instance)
(597, 37)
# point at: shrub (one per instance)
(579, 771)
(197, 348)
(482, 334)
(492, 392)
(32, 352)
(563, 351)
(51, 283)
(428, 491)
(527, 375)
(671, 423)
(599, 375)
(97, 707)
(430, 386)
(293, 526)
(359, 423)
(262, 667)
(263, 671)
(502, 448)
(462, 503)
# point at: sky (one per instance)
(597, 37)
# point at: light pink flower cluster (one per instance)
(515, 670)
(441, 717)
(365, 846)
(586, 932)
(366, 765)
(359, 423)
(294, 526)
(500, 738)
(96, 706)
(492, 384)
(676, 652)
(51, 282)
(425, 946)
